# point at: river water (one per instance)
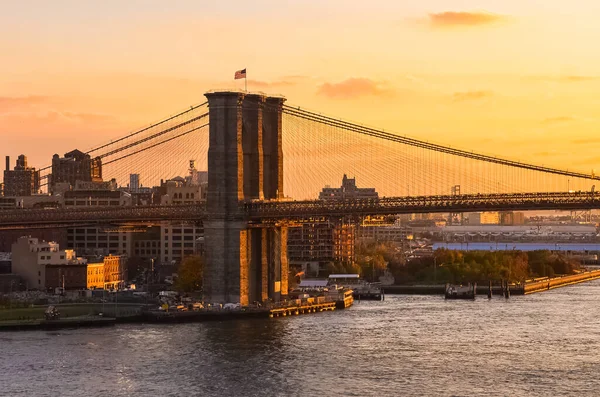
(539, 345)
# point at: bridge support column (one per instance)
(245, 162)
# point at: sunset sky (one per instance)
(519, 79)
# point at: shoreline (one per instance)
(527, 288)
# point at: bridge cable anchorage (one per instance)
(295, 111)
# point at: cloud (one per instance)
(558, 120)
(471, 95)
(573, 78)
(9, 102)
(354, 87)
(589, 161)
(546, 154)
(585, 141)
(270, 84)
(576, 79)
(451, 19)
(58, 117)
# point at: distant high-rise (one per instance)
(75, 166)
(134, 183)
(23, 180)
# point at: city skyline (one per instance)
(507, 79)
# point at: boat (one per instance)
(460, 291)
(361, 289)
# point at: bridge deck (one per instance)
(258, 212)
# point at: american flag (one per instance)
(240, 74)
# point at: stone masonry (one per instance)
(245, 162)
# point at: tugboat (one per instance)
(461, 291)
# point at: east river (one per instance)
(546, 344)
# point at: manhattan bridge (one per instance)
(254, 146)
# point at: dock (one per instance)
(292, 307)
(302, 309)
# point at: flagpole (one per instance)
(246, 82)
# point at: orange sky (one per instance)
(506, 78)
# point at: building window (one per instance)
(62, 257)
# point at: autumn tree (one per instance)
(189, 276)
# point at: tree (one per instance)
(189, 276)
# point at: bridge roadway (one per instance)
(269, 212)
(304, 210)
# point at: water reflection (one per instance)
(543, 344)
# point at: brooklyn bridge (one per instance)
(243, 138)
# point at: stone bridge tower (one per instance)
(245, 162)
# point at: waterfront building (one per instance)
(108, 272)
(518, 233)
(115, 272)
(43, 265)
(95, 275)
(22, 180)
